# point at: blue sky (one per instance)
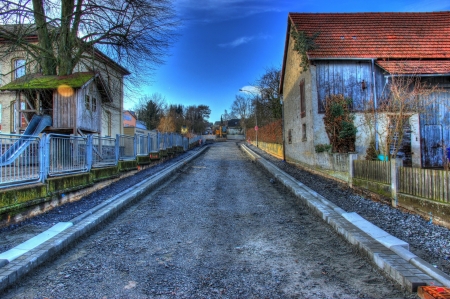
(226, 45)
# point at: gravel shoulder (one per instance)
(428, 241)
(218, 229)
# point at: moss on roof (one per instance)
(38, 81)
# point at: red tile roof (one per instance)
(416, 67)
(377, 35)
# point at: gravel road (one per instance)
(218, 229)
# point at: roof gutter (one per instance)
(417, 75)
(344, 58)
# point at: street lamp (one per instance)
(256, 118)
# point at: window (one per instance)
(290, 136)
(12, 121)
(304, 132)
(302, 99)
(109, 123)
(19, 68)
(87, 103)
(94, 104)
(0, 117)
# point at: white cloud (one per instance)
(208, 11)
(250, 90)
(237, 42)
(242, 40)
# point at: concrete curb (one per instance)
(12, 270)
(389, 253)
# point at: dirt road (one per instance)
(219, 229)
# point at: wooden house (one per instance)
(358, 55)
(75, 102)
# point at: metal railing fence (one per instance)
(30, 159)
(163, 138)
(142, 145)
(185, 143)
(127, 147)
(154, 142)
(67, 154)
(104, 151)
(20, 160)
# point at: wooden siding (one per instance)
(435, 126)
(345, 77)
(63, 111)
(426, 183)
(379, 171)
(87, 119)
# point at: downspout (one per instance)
(375, 103)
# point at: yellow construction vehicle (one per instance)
(221, 133)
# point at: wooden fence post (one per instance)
(395, 165)
(351, 158)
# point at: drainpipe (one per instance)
(375, 104)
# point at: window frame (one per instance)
(17, 68)
(87, 102)
(302, 98)
(304, 135)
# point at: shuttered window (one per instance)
(302, 99)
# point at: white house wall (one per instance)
(298, 150)
(7, 97)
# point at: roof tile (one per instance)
(377, 35)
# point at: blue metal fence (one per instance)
(127, 147)
(29, 159)
(20, 159)
(104, 151)
(68, 154)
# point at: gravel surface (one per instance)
(15, 234)
(219, 229)
(429, 241)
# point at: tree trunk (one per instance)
(47, 59)
(66, 40)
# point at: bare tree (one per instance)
(269, 104)
(389, 119)
(242, 107)
(134, 33)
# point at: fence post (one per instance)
(117, 148)
(45, 157)
(351, 158)
(395, 165)
(135, 145)
(89, 150)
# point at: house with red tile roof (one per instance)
(358, 55)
